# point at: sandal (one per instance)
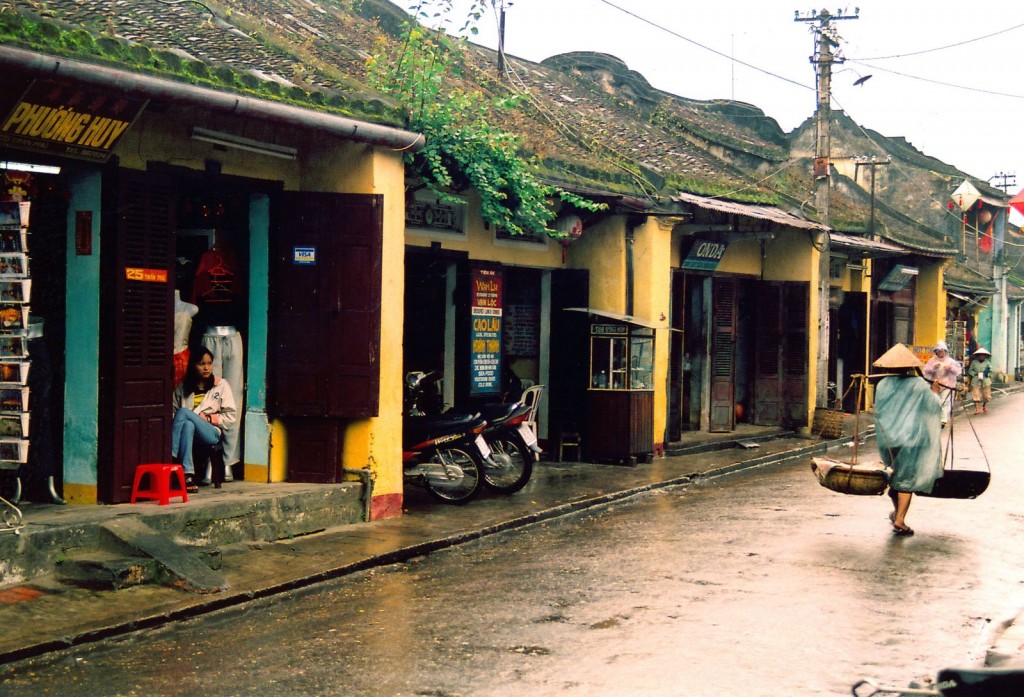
(904, 531)
(190, 484)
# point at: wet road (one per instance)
(760, 583)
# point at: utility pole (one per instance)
(1009, 180)
(499, 5)
(826, 38)
(872, 163)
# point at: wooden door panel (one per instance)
(767, 381)
(136, 316)
(795, 352)
(723, 350)
(325, 324)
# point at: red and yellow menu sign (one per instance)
(68, 119)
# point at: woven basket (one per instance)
(829, 423)
(857, 480)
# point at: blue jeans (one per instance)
(186, 427)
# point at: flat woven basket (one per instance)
(856, 480)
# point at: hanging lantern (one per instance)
(984, 217)
(569, 226)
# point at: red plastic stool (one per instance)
(159, 483)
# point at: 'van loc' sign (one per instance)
(69, 120)
(485, 336)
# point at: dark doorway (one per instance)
(569, 367)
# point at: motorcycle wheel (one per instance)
(513, 464)
(452, 475)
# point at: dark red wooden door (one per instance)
(723, 355)
(767, 378)
(795, 358)
(325, 315)
(136, 329)
(781, 354)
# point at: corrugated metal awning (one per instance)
(619, 317)
(871, 248)
(749, 210)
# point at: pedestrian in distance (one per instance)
(942, 371)
(203, 406)
(980, 373)
(908, 425)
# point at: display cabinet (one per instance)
(621, 393)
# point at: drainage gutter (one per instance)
(39, 65)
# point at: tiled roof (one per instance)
(593, 123)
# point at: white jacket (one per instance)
(218, 403)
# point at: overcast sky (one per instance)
(971, 120)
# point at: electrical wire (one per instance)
(937, 82)
(939, 48)
(706, 48)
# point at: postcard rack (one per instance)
(15, 331)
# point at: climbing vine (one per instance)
(465, 146)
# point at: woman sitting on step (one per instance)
(203, 407)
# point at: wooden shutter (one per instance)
(326, 305)
(723, 350)
(136, 312)
(767, 380)
(795, 359)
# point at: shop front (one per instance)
(742, 294)
(485, 310)
(258, 231)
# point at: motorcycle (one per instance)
(955, 682)
(513, 447)
(444, 453)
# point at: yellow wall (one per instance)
(602, 250)
(929, 305)
(377, 443)
(652, 275)
(481, 245)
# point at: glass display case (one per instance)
(621, 357)
(621, 409)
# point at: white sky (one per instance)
(978, 132)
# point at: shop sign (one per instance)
(426, 212)
(304, 256)
(609, 330)
(68, 119)
(145, 275)
(485, 334)
(704, 255)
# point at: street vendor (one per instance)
(908, 423)
(980, 372)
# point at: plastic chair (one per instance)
(159, 483)
(531, 398)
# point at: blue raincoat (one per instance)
(908, 421)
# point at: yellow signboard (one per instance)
(68, 119)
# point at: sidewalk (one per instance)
(43, 614)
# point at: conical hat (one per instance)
(899, 356)
(982, 351)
